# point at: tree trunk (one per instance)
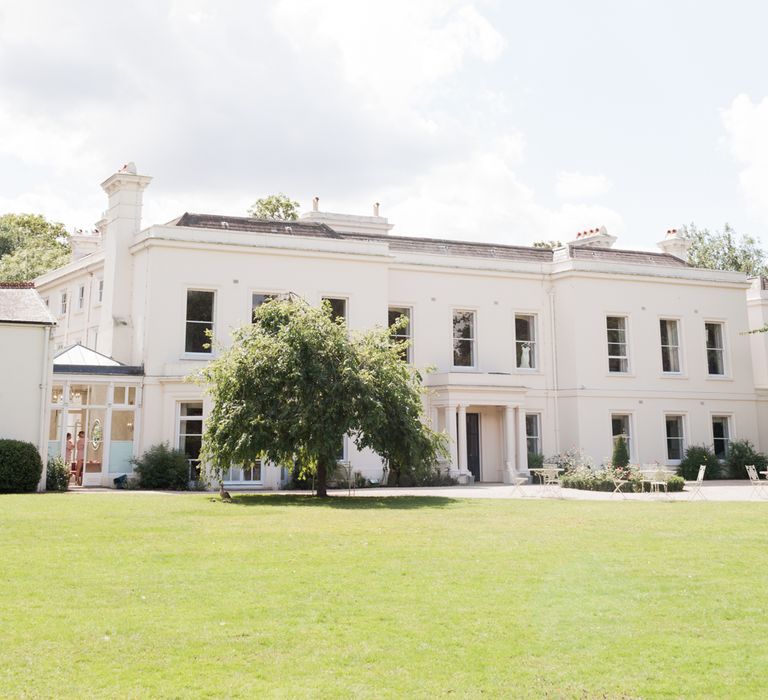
(322, 478)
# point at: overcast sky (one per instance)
(500, 121)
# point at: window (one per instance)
(618, 359)
(63, 303)
(100, 295)
(81, 297)
(532, 434)
(199, 321)
(715, 360)
(404, 334)
(46, 300)
(250, 472)
(525, 342)
(338, 307)
(721, 436)
(257, 300)
(191, 435)
(463, 338)
(620, 426)
(670, 345)
(675, 438)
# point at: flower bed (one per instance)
(603, 480)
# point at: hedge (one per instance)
(20, 466)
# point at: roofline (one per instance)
(124, 370)
(27, 323)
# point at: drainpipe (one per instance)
(45, 384)
(553, 355)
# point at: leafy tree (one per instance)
(295, 382)
(547, 244)
(725, 250)
(275, 206)
(620, 456)
(29, 246)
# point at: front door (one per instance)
(473, 444)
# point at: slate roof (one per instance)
(20, 303)
(638, 257)
(434, 246)
(78, 354)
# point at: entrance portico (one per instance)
(490, 404)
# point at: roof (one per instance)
(78, 354)
(639, 257)
(77, 359)
(250, 224)
(20, 303)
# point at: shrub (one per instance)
(162, 467)
(695, 456)
(535, 460)
(20, 466)
(56, 475)
(601, 480)
(620, 453)
(741, 453)
(571, 460)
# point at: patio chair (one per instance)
(517, 482)
(758, 484)
(660, 480)
(696, 486)
(550, 476)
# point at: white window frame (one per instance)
(242, 481)
(681, 371)
(81, 297)
(177, 431)
(723, 348)
(193, 354)
(473, 339)
(683, 438)
(537, 436)
(628, 371)
(262, 291)
(64, 303)
(731, 430)
(631, 439)
(534, 343)
(408, 333)
(100, 291)
(338, 297)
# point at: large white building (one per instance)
(533, 350)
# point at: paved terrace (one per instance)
(712, 491)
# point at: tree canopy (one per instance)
(275, 206)
(29, 246)
(296, 381)
(547, 244)
(725, 250)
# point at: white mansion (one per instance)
(532, 350)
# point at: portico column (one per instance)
(509, 443)
(522, 444)
(450, 426)
(462, 444)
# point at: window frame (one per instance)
(408, 334)
(725, 374)
(537, 436)
(683, 436)
(631, 447)
(534, 343)
(178, 434)
(729, 422)
(338, 297)
(627, 350)
(681, 371)
(80, 298)
(252, 292)
(472, 340)
(99, 291)
(201, 354)
(63, 302)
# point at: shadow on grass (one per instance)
(345, 502)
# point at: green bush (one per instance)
(601, 481)
(535, 461)
(56, 475)
(620, 453)
(694, 457)
(740, 454)
(162, 467)
(20, 466)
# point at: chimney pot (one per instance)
(375, 208)
(315, 203)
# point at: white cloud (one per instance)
(576, 185)
(746, 124)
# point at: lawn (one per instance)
(142, 595)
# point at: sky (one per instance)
(480, 120)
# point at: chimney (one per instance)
(376, 208)
(84, 243)
(315, 203)
(125, 190)
(594, 238)
(675, 243)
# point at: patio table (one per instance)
(548, 478)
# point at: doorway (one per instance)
(473, 444)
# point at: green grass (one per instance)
(143, 595)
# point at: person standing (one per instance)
(80, 458)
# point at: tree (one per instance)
(551, 245)
(29, 246)
(295, 382)
(620, 456)
(725, 250)
(275, 206)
